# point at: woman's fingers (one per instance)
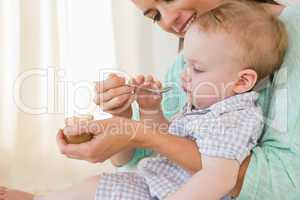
(122, 108)
(112, 93)
(104, 144)
(113, 81)
(92, 151)
(113, 99)
(60, 139)
(70, 150)
(115, 102)
(62, 144)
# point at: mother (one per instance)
(273, 169)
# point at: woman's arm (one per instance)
(114, 97)
(240, 180)
(108, 141)
(122, 158)
(151, 120)
(118, 134)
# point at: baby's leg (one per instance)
(8, 194)
(85, 190)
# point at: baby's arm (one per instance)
(150, 103)
(215, 180)
(150, 110)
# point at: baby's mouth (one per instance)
(185, 88)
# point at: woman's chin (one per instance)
(179, 35)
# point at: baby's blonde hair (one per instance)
(262, 36)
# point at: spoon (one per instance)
(156, 91)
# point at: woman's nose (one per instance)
(169, 17)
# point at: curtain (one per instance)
(46, 45)
(35, 56)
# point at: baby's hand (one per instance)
(148, 101)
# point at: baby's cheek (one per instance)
(205, 88)
(205, 94)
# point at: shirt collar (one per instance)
(233, 103)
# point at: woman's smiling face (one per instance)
(174, 16)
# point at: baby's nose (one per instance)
(185, 76)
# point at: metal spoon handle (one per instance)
(157, 91)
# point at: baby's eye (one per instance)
(197, 70)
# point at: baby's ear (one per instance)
(246, 81)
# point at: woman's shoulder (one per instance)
(291, 16)
(177, 67)
(179, 62)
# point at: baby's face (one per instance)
(213, 64)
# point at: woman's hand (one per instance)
(110, 137)
(117, 134)
(114, 97)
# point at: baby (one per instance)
(227, 51)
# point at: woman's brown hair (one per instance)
(180, 46)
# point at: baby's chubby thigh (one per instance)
(84, 190)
